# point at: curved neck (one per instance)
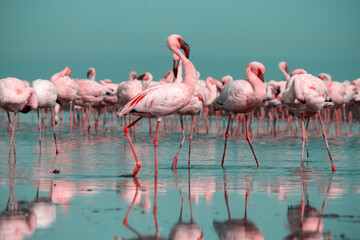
(254, 80)
(211, 93)
(286, 75)
(93, 74)
(189, 69)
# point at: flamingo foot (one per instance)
(137, 169)
(174, 164)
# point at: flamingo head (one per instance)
(91, 72)
(146, 77)
(283, 65)
(175, 40)
(226, 79)
(132, 75)
(258, 69)
(325, 77)
(67, 71)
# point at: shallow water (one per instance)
(90, 197)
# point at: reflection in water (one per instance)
(305, 221)
(186, 230)
(237, 228)
(16, 221)
(43, 208)
(125, 221)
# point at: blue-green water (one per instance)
(88, 199)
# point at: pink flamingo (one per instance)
(338, 97)
(67, 91)
(16, 97)
(306, 95)
(91, 94)
(242, 96)
(164, 99)
(47, 95)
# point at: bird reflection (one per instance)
(16, 221)
(43, 208)
(237, 228)
(186, 230)
(134, 200)
(305, 221)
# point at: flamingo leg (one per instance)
(126, 131)
(248, 139)
(193, 120)
(344, 117)
(38, 114)
(150, 126)
(53, 128)
(182, 142)
(12, 141)
(61, 121)
(156, 144)
(306, 143)
(303, 141)
(9, 120)
(226, 138)
(70, 118)
(327, 145)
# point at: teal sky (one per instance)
(40, 38)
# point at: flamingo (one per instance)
(47, 95)
(91, 94)
(242, 96)
(338, 97)
(67, 91)
(306, 95)
(164, 99)
(16, 97)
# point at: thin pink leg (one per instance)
(226, 138)
(150, 126)
(12, 140)
(156, 144)
(303, 141)
(53, 128)
(126, 131)
(306, 143)
(175, 162)
(193, 119)
(70, 119)
(248, 139)
(61, 121)
(344, 117)
(327, 145)
(39, 128)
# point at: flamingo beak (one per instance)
(88, 74)
(185, 47)
(141, 77)
(175, 67)
(261, 75)
(287, 69)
